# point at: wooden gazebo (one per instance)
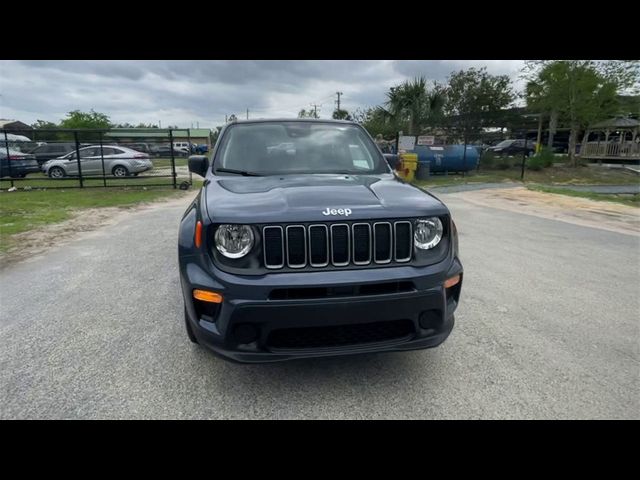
(614, 139)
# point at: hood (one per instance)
(304, 198)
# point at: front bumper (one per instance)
(248, 300)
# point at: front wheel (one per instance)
(56, 172)
(120, 171)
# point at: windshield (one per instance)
(275, 148)
(504, 143)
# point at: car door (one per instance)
(71, 162)
(90, 161)
(42, 153)
(516, 147)
(96, 160)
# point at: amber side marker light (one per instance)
(198, 238)
(205, 296)
(452, 281)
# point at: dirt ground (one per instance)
(33, 243)
(579, 211)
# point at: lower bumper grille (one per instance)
(335, 336)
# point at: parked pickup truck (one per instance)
(316, 249)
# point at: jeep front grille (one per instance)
(337, 244)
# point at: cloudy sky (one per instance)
(186, 93)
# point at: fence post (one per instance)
(104, 175)
(524, 156)
(6, 145)
(190, 152)
(75, 136)
(464, 154)
(173, 160)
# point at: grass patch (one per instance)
(166, 162)
(550, 176)
(40, 181)
(632, 200)
(23, 211)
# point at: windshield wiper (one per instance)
(244, 173)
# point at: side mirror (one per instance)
(199, 164)
(392, 159)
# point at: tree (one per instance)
(232, 118)
(413, 105)
(46, 134)
(307, 114)
(474, 99)
(44, 125)
(377, 121)
(92, 119)
(215, 134)
(579, 92)
(341, 115)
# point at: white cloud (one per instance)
(186, 92)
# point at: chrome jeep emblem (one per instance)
(337, 211)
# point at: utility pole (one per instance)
(247, 114)
(225, 119)
(315, 110)
(338, 94)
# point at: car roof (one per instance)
(300, 120)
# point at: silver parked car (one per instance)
(118, 161)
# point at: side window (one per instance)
(89, 152)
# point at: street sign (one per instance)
(406, 142)
(426, 140)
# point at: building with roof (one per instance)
(200, 136)
(613, 139)
(14, 125)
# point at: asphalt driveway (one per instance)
(548, 327)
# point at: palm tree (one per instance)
(412, 102)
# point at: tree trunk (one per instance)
(572, 146)
(539, 136)
(585, 139)
(553, 125)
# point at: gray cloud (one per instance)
(185, 92)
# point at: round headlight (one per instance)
(428, 233)
(234, 241)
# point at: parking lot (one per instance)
(547, 328)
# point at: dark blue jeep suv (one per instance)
(303, 242)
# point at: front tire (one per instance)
(56, 172)
(187, 323)
(120, 171)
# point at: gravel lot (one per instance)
(549, 327)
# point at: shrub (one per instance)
(504, 163)
(536, 163)
(488, 159)
(546, 157)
